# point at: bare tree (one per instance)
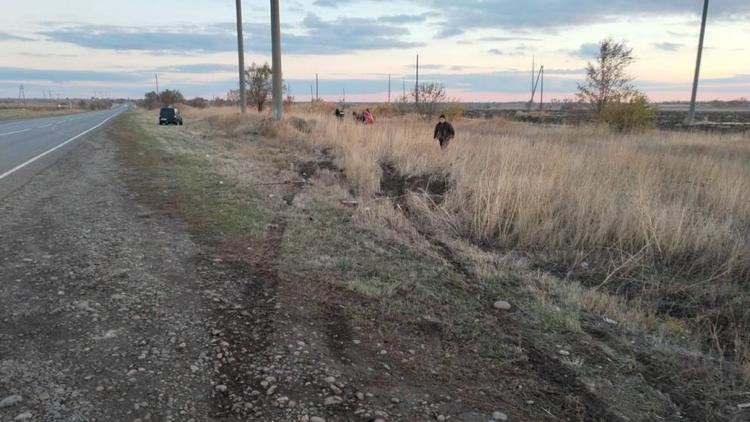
(606, 79)
(151, 100)
(431, 98)
(171, 97)
(259, 84)
(233, 96)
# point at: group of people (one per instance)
(444, 131)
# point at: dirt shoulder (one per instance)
(202, 273)
(399, 321)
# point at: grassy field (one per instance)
(629, 251)
(10, 111)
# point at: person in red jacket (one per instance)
(369, 118)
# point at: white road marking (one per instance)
(44, 126)
(20, 166)
(17, 131)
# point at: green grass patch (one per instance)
(176, 178)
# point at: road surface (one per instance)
(30, 145)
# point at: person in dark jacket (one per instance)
(444, 132)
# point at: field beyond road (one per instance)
(544, 273)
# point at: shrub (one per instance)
(454, 111)
(632, 114)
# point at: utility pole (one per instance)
(317, 93)
(22, 94)
(694, 97)
(241, 55)
(533, 73)
(541, 98)
(389, 89)
(278, 110)
(416, 86)
(312, 95)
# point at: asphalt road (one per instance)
(30, 145)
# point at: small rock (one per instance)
(440, 418)
(10, 401)
(330, 380)
(744, 406)
(563, 352)
(499, 416)
(502, 305)
(333, 400)
(395, 400)
(360, 396)
(271, 390)
(317, 419)
(23, 416)
(221, 388)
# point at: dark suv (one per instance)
(170, 116)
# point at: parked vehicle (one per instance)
(170, 116)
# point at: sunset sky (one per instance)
(481, 50)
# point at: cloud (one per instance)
(66, 76)
(326, 3)
(668, 46)
(198, 68)
(586, 51)
(403, 18)
(318, 37)
(4, 36)
(509, 14)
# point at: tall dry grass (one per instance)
(661, 214)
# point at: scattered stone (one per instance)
(499, 416)
(330, 380)
(744, 406)
(502, 305)
(10, 401)
(440, 418)
(221, 388)
(563, 353)
(360, 396)
(23, 416)
(333, 400)
(317, 419)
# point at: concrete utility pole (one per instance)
(278, 110)
(541, 98)
(416, 86)
(694, 97)
(389, 89)
(241, 55)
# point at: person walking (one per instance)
(444, 132)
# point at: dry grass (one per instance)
(661, 219)
(10, 111)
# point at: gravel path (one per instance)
(105, 306)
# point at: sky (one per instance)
(481, 50)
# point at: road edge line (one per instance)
(22, 165)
